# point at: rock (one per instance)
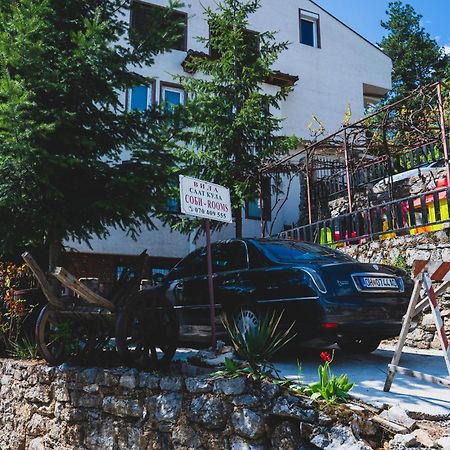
(245, 400)
(209, 411)
(37, 444)
(422, 437)
(270, 390)
(122, 407)
(36, 426)
(296, 408)
(444, 442)
(85, 400)
(129, 379)
(149, 381)
(248, 424)
(363, 427)
(38, 394)
(428, 323)
(198, 385)
(174, 384)
(402, 441)
(184, 436)
(285, 436)
(237, 443)
(168, 407)
(229, 386)
(338, 437)
(398, 415)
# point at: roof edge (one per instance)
(350, 28)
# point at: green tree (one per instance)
(232, 127)
(417, 58)
(64, 66)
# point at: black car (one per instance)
(330, 296)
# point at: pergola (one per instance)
(389, 140)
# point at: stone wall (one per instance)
(66, 408)
(404, 250)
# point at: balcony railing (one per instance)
(332, 173)
(416, 214)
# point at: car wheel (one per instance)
(359, 345)
(246, 318)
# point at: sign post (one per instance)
(211, 202)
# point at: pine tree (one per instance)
(64, 66)
(232, 127)
(417, 58)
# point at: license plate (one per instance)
(379, 283)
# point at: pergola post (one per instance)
(347, 172)
(443, 133)
(308, 188)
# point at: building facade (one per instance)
(332, 68)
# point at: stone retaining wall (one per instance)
(66, 408)
(406, 249)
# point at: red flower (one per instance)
(326, 356)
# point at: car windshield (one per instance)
(291, 252)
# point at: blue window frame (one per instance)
(140, 98)
(172, 96)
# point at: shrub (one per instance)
(256, 346)
(14, 311)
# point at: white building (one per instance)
(336, 68)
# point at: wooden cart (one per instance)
(142, 326)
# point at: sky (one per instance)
(364, 16)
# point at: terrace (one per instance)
(383, 176)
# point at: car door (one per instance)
(187, 290)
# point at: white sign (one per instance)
(203, 199)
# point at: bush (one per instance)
(256, 346)
(14, 310)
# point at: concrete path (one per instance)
(368, 372)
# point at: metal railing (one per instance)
(332, 173)
(412, 215)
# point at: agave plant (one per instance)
(257, 345)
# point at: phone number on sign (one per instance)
(207, 212)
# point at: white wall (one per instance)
(330, 79)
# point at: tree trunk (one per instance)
(238, 218)
(54, 254)
(54, 260)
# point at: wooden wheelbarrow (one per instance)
(138, 323)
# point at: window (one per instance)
(309, 28)
(140, 98)
(291, 252)
(146, 17)
(172, 95)
(251, 39)
(192, 265)
(229, 256)
(253, 207)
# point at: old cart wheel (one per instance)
(60, 338)
(147, 331)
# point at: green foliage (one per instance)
(329, 387)
(417, 58)
(64, 67)
(257, 345)
(24, 348)
(401, 263)
(232, 127)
